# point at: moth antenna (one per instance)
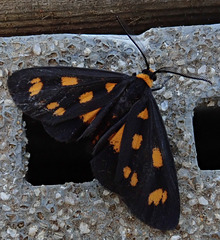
(125, 30)
(166, 70)
(162, 85)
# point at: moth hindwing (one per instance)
(118, 112)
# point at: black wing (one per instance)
(65, 99)
(137, 163)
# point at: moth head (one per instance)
(150, 73)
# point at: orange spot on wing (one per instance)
(69, 81)
(86, 97)
(59, 112)
(157, 158)
(136, 143)
(126, 171)
(109, 86)
(144, 114)
(134, 179)
(90, 116)
(36, 87)
(156, 196)
(164, 197)
(52, 105)
(35, 80)
(116, 138)
(146, 78)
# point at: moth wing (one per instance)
(65, 99)
(143, 170)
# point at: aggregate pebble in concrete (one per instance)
(87, 210)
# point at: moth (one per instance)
(132, 155)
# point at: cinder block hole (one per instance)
(206, 123)
(52, 162)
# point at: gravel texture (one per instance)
(87, 210)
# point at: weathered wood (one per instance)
(89, 16)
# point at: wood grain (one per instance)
(89, 16)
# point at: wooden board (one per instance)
(89, 16)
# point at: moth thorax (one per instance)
(146, 78)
